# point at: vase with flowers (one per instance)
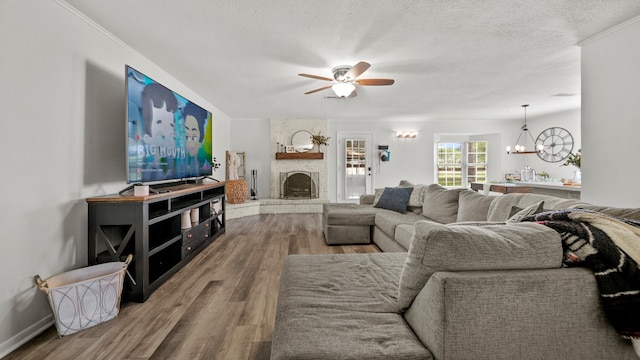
(319, 139)
(575, 160)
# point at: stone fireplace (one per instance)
(296, 185)
(309, 177)
(299, 185)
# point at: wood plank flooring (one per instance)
(220, 306)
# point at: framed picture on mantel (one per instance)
(289, 149)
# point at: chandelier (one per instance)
(525, 135)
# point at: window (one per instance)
(355, 165)
(461, 163)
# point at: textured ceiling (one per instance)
(465, 59)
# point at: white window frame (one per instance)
(464, 165)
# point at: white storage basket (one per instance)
(85, 297)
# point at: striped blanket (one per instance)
(610, 247)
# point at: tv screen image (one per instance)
(168, 136)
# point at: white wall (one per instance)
(413, 159)
(253, 136)
(611, 117)
(63, 139)
(569, 120)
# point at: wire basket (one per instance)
(85, 297)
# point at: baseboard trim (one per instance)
(25, 335)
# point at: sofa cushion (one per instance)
(524, 314)
(478, 223)
(501, 207)
(404, 234)
(406, 183)
(349, 214)
(342, 307)
(395, 198)
(627, 213)
(437, 247)
(440, 204)
(517, 214)
(473, 206)
(387, 221)
(367, 199)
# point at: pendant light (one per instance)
(522, 148)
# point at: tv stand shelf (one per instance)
(149, 227)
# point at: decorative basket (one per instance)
(237, 191)
(85, 297)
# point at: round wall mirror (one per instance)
(301, 141)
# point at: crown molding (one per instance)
(104, 32)
(608, 31)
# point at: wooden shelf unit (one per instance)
(300, 156)
(149, 227)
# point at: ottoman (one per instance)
(347, 223)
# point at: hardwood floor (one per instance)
(220, 306)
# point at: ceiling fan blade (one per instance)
(357, 70)
(368, 82)
(318, 89)
(353, 94)
(316, 77)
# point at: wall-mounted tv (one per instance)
(168, 136)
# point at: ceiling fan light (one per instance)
(343, 89)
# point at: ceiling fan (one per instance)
(345, 79)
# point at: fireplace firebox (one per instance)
(299, 185)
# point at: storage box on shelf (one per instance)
(150, 228)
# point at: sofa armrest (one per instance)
(515, 314)
(367, 199)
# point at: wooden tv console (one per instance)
(149, 227)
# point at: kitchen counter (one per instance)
(503, 188)
(545, 188)
(550, 185)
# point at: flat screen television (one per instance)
(168, 136)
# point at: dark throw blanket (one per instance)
(607, 246)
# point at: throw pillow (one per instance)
(405, 183)
(417, 195)
(438, 247)
(440, 204)
(377, 193)
(517, 214)
(473, 206)
(395, 198)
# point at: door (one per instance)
(354, 166)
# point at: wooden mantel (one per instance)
(300, 156)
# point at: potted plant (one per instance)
(320, 140)
(575, 160)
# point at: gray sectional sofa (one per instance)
(392, 231)
(468, 282)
